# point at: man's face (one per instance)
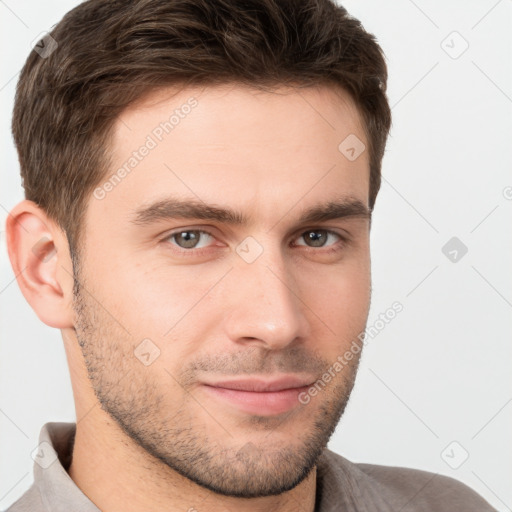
(180, 318)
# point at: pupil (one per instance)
(189, 237)
(315, 238)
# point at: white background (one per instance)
(440, 371)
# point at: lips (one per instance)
(260, 396)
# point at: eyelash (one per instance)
(182, 252)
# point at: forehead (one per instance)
(260, 151)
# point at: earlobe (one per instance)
(39, 255)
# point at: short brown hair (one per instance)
(108, 54)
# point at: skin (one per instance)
(153, 430)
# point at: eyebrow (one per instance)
(173, 208)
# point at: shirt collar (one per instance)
(58, 491)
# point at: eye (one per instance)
(189, 238)
(318, 237)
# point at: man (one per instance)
(199, 181)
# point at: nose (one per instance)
(266, 309)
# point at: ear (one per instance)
(39, 253)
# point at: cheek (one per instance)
(171, 307)
(340, 297)
(145, 298)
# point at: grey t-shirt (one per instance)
(342, 486)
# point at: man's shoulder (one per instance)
(30, 500)
(424, 490)
(407, 489)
